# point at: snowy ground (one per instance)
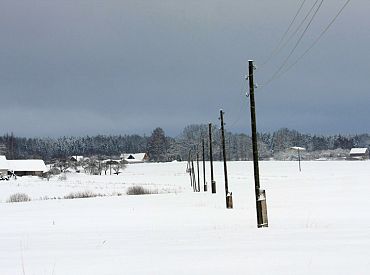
(319, 223)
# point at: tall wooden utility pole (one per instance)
(189, 169)
(298, 149)
(193, 174)
(204, 167)
(260, 194)
(229, 198)
(213, 183)
(198, 187)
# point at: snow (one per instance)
(298, 148)
(3, 163)
(27, 165)
(77, 158)
(319, 222)
(134, 158)
(358, 151)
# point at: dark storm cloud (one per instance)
(86, 67)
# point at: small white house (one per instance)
(76, 158)
(27, 167)
(359, 153)
(135, 158)
(3, 166)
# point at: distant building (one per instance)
(27, 167)
(76, 158)
(22, 167)
(3, 166)
(135, 158)
(359, 153)
(111, 161)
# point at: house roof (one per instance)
(359, 151)
(138, 157)
(298, 148)
(111, 161)
(3, 163)
(77, 158)
(27, 165)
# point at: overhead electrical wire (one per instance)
(278, 46)
(242, 102)
(239, 114)
(275, 75)
(293, 34)
(318, 38)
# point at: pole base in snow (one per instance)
(229, 201)
(214, 187)
(262, 220)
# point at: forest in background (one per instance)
(164, 148)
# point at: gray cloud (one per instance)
(85, 67)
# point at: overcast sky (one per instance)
(120, 67)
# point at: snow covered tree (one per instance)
(157, 145)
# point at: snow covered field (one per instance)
(319, 222)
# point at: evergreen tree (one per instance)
(157, 145)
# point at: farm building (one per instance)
(111, 161)
(3, 166)
(27, 167)
(76, 158)
(135, 158)
(359, 153)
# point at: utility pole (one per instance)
(299, 149)
(260, 194)
(229, 197)
(189, 169)
(193, 174)
(204, 167)
(198, 187)
(213, 183)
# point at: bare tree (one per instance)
(62, 165)
(117, 168)
(105, 167)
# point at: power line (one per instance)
(239, 115)
(297, 28)
(278, 48)
(318, 38)
(275, 75)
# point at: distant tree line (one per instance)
(164, 148)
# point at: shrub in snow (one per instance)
(18, 197)
(54, 171)
(62, 177)
(139, 190)
(84, 194)
(45, 198)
